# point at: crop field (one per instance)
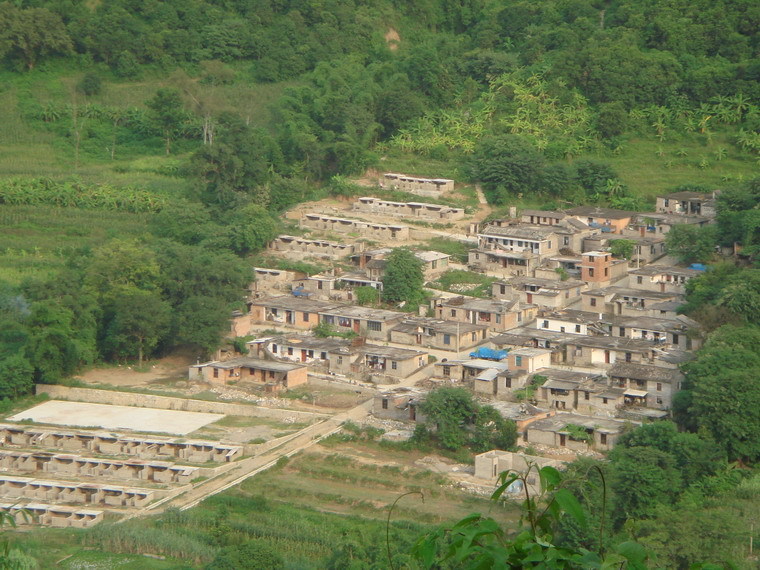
(314, 509)
(36, 240)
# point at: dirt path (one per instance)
(242, 470)
(171, 367)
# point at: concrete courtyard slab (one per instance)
(116, 417)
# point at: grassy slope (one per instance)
(313, 503)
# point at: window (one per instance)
(446, 339)
(385, 403)
(340, 360)
(622, 331)
(566, 240)
(603, 438)
(474, 336)
(310, 354)
(319, 285)
(586, 395)
(561, 329)
(577, 328)
(503, 289)
(659, 386)
(639, 279)
(606, 272)
(659, 400)
(593, 301)
(604, 400)
(306, 317)
(394, 365)
(628, 356)
(590, 271)
(453, 312)
(323, 355)
(374, 326)
(507, 382)
(271, 373)
(447, 371)
(518, 360)
(675, 339)
(290, 351)
(546, 324)
(274, 348)
(498, 318)
(216, 373)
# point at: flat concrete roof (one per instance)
(116, 417)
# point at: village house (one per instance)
(542, 217)
(354, 358)
(267, 281)
(408, 209)
(274, 376)
(438, 334)
(601, 351)
(556, 265)
(528, 359)
(473, 370)
(600, 269)
(298, 312)
(655, 384)
(573, 322)
(489, 465)
(687, 204)
(373, 262)
(300, 248)
(364, 321)
(360, 228)
(570, 232)
(575, 431)
(416, 185)
(316, 287)
(399, 404)
(375, 361)
(497, 315)
(532, 337)
(515, 237)
(561, 387)
(662, 278)
(553, 293)
(645, 249)
(680, 332)
(605, 219)
(501, 378)
(505, 262)
(315, 352)
(622, 300)
(654, 223)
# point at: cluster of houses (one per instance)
(592, 342)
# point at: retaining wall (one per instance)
(95, 396)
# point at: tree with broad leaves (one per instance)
(28, 34)
(166, 112)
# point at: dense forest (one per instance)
(149, 149)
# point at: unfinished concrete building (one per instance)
(360, 228)
(416, 185)
(110, 444)
(69, 492)
(52, 515)
(79, 466)
(422, 210)
(298, 247)
(272, 375)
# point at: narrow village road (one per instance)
(250, 466)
